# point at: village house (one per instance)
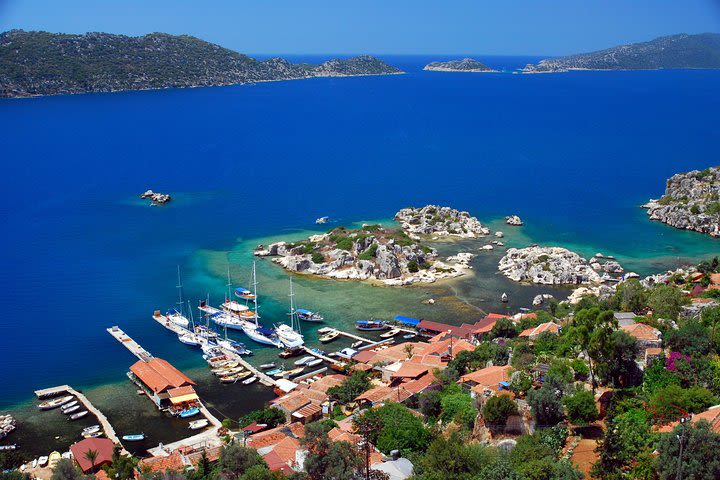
(645, 335)
(104, 448)
(534, 332)
(164, 384)
(487, 381)
(308, 402)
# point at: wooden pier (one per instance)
(130, 344)
(319, 355)
(67, 389)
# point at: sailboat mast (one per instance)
(255, 294)
(294, 321)
(180, 291)
(229, 285)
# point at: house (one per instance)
(399, 469)
(305, 402)
(164, 384)
(534, 332)
(280, 447)
(624, 318)
(711, 415)
(487, 381)
(180, 459)
(383, 393)
(102, 446)
(645, 335)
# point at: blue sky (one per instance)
(500, 27)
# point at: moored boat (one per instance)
(198, 424)
(409, 336)
(189, 412)
(315, 362)
(329, 337)
(56, 402)
(324, 330)
(266, 366)
(42, 461)
(390, 333)
(91, 429)
(12, 446)
(69, 405)
(244, 293)
(79, 415)
(136, 437)
(371, 325)
(308, 316)
(357, 344)
(249, 380)
(189, 338)
(304, 360)
(293, 372)
(68, 411)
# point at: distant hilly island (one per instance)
(42, 63)
(701, 51)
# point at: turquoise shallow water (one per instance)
(573, 154)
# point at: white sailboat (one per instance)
(174, 315)
(256, 331)
(190, 337)
(290, 334)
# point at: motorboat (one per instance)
(304, 360)
(134, 437)
(409, 336)
(371, 325)
(347, 352)
(234, 346)
(293, 372)
(249, 380)
(275, 371)
(288, 336)
(291, 352)
(243, 375)
(229, 379)
(68, 411)
(266, 366)
(77, 416)
(317, 351)
(6, 448)
(42, 461)
(189, 338)
(504, 298)
(357, 344)
(190, 412)
(329, 337)
(92, 435)
(308, 316)
(315, 362)
(91, 429)
(198, 424)
(69, 405)
(322, 220)
(244, 293)
(325, 330)
(56, 402)
(390, 333)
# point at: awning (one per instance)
(190, 397)
(412, 322)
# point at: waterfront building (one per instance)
(164, 384)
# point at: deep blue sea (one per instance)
(573, 154)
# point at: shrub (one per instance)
(317, 257)
(497, 409)
(412, 266)
(344, 243)
(581, 407)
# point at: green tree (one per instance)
(592, 328)
(399, 429)
(700, 447)
(580, 407)
(458, 407)
(631, 296)
(235, 460)
(259, 472)
(691, 338)
(615, 353)
(65, 469)
(666, 301)
(327, 459)
(270, 416)
(545, 404)
(350, 388)
(672, 402)
(497, 409)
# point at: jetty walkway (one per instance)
(62, 389)
(130, 344)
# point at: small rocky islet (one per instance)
(464, 65)
(691, 202)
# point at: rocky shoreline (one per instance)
(464, 65)
(691, 202)
(439, 223)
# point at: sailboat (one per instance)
(173, 314)
(232, 345)
(190, 337)
(256, 331)
(290, 334)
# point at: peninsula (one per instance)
(682, 51)
(691, 202)
(464, 65)
(42, 63)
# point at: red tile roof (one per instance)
(641, 331)
(174, 461)
(489, 377)
(103, 446)
(411, 370)
(159, 375)
(550, 327)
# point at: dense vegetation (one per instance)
(42, 63)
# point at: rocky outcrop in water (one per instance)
(370, 253)
(156, 197)
(513, 220)
(439, 222)
(464, 65)
(547, 266)
(691, 202)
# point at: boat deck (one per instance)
(129, 343)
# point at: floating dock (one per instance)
(319, 355)
(67, 389)
(130, 344)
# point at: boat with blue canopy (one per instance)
(308, 315)
(244, 293)
(371, 325)
(190, 412)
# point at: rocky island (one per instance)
(672, 52)
(156, 197)
(374, 253)
(464, 65)
(555, 266)
(439, 222)
(42, 63)
(691, 202)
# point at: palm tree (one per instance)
(91, 456)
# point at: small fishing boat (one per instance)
(134, 437)
(390, 333)
(249, 380)
(291, 352)
(77, 416)
(324, 330)
(329, 337)
(504, 298)
(204, 331)
(198, 424)
(266, 366)
(315, 362)
(230, 371)
(42, 461)
(92, 435)
(357, 344)
(229, 379)
(304, 360)
(243, 375)
(91, 429)
(68, 411)
(293, 372)
(318, 351)
(54, 458)
(190, 412)
(69, 405)
(275, 371)
(371, 325)
(244, 293)
(308, 316)
(50, 404)
(322, 220)
(409, 335)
